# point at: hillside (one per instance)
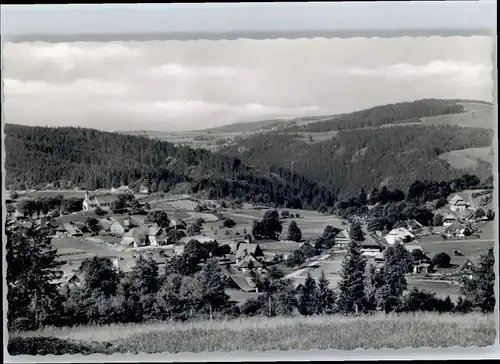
(398, 113)
(367, 158)
(456, 112)
(87, 158)
(260, 333)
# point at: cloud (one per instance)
(79, 87)
(69, 55)
(166, 85)
(180, 71)
(406, 71)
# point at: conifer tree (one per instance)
(32, 270)
(308, 297)
(294, 232)
(351, 286)
(326, 296)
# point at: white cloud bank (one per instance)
(181, 85)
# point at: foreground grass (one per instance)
(260, 334)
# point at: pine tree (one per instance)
(480, 289)
(32, 268)
(210, 288)
(326, 296)
(356, 232)
(308, 297)
(294, 233)
(351, 286)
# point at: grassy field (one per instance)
(475, 115)
(468, 158)
(295, 333)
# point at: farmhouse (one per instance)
(457, 203)
(72, 230)
(413, 226)
(457, 230)
(422, 268)
(114, 226)
(144, 235)
(449, 219)
(307, 249)
(399, 235)
(248, 249)
(240, 280)
(104, 202)
(465, 215)
(411, 248)
(248, 263)
(342, 238)
(369, 247)
(467, 269)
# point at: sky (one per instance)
(187, 85)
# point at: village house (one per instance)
(117, 226)
(248, 263)
(449, 219)
(411, 248)
(465, 215)
(144, 236)
(121, 189)
(457, 203)
(307, 249)
(369, 247)
(71, 230)
(422, 268)
(343, 238)
(143, 190)
(239, 280)
(467, 269)
(414, 226)
(457, 230)
(248, 249)
(399, 235)
(90, 203)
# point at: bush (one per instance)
(441, 260)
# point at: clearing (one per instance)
(476, 115)
(468, 158)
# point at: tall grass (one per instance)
(298, 333)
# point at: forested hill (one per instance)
(88, 158)
(398, 113)
(366, 158)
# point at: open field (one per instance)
(468, 158)
(294, 333)
(441, 289)
(476, 115)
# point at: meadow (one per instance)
(262, 333)
(468, 158)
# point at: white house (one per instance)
(399, 235)
(457, 203)
(104, 202)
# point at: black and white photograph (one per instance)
(190, 196)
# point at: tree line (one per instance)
(397, 113)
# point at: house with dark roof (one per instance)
(449, 219)
(307, 248)
(342, 238)
(239, 280)
(413, 226)
(248, 263)
(249, 249)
